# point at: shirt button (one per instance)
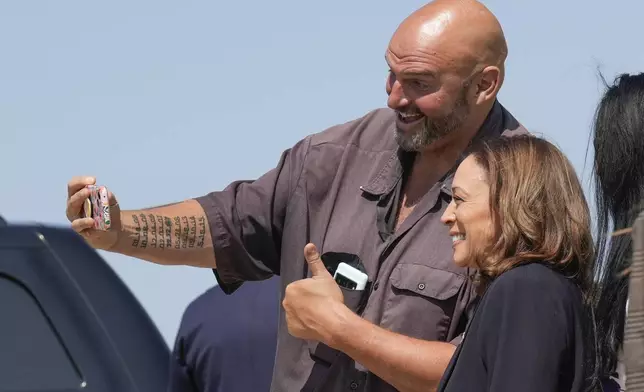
(375, 286)
(353, 386)
(421, 286)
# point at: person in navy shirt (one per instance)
(226, 343)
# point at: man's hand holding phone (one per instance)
(99, 226)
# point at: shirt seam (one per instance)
(299, 176)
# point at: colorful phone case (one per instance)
(98, 207)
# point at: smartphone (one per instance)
(350, 277)
(97, 206)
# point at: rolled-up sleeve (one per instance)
(246, 220)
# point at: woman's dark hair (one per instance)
(618, 139)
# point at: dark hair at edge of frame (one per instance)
(618, 179)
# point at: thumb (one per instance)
(314, 261)
(111, 199)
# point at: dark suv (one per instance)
(68, 322)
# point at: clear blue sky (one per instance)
(179, 98)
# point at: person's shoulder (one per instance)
(531, 275)
(533, 280)
(215, 310)
(373, 131)
(248, 293)
(535, 294)
(198, 319)
(202, 306)
(511, 126)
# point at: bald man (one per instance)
(368, 193)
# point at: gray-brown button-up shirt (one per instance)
(338, 189)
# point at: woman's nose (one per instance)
(448, 216)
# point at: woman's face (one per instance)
(468, 215)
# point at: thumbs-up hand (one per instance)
(311, 305)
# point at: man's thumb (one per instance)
(314, 261)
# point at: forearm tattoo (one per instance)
(168, 232)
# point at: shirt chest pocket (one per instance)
(421, 301)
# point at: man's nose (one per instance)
(397, 98)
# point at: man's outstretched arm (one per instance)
(243, 222)
(176, 233)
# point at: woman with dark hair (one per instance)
(518, 216)
(619, 187)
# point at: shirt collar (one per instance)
(388, 176)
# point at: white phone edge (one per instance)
(357, 276)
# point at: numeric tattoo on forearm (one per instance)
(153, 230)
(145, 230)
(168, 232)
(137, 229)
(193, 232)
(177, 232)
(202, 232)
(160, 232)
(185, 231)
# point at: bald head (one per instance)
(463, 32)
(446, 64)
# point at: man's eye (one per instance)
(420, 85)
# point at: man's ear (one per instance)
(488, 84)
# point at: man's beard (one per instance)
(434, 129)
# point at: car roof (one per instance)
(69, 322)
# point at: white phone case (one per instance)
(353, 274)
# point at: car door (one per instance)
(68, 322)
